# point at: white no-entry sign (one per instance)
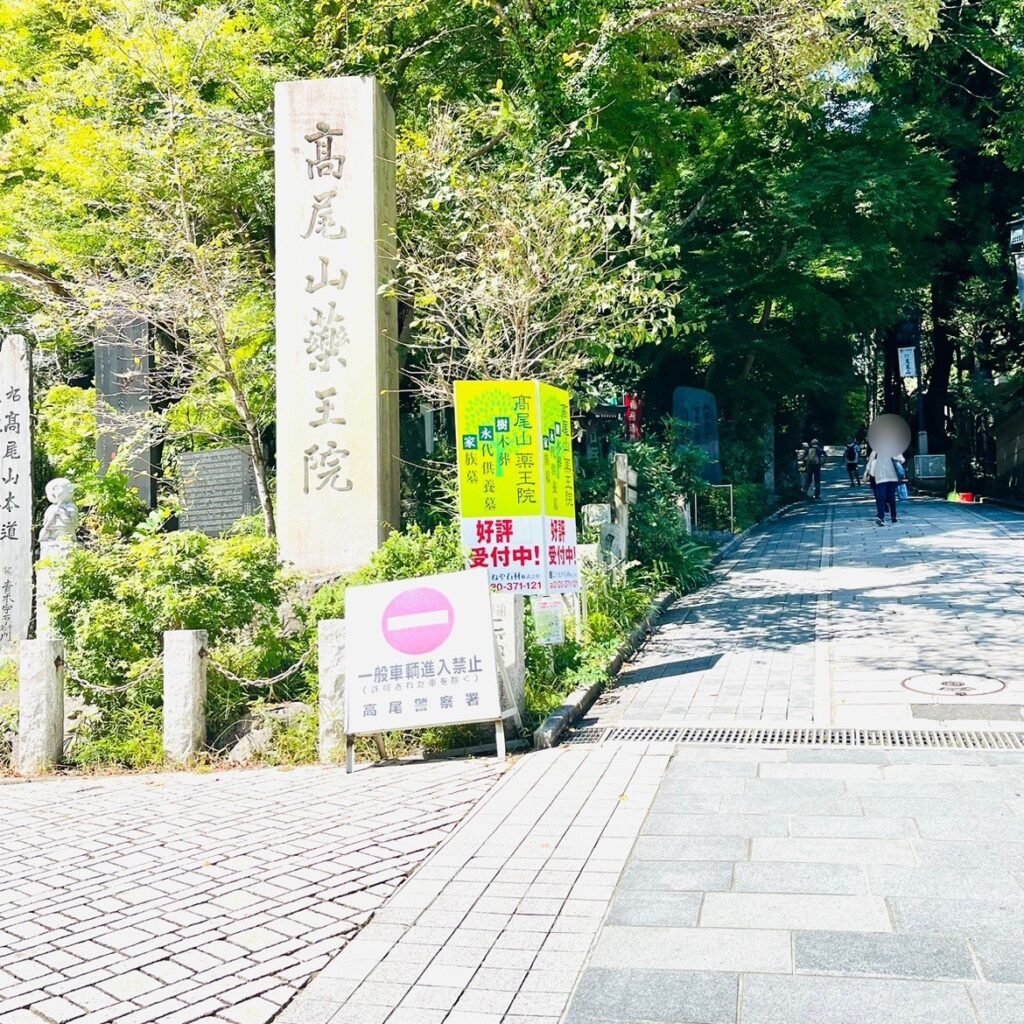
(420, 654)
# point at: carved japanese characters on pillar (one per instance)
(15, 492)
(337, 371)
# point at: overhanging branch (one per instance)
(35, 273)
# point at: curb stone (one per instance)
(579, 702)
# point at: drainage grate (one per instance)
(806, 736)
(588, 735)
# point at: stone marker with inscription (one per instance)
(15, 492)
(698, 408)
(124, 402)
(337, 363)
(217, 488)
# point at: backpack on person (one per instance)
(813, 456)
(851, 453)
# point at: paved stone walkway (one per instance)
(823, 616)
(627, 883)
(593, 884)
(497, 925)
(792, 887)
(215, 897)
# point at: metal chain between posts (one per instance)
(226, 673)
(217, 667)
(95, 687)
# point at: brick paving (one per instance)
(822, 616)
(215, 897)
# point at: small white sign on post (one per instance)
(549, 620)
(420, 654)
(908, 361)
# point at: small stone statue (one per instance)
(57, 536)
(60, 521)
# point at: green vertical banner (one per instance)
(516, 487)
(563, 571)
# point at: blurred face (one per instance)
(889, 435)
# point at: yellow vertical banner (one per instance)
(501, 481)
(516, 489)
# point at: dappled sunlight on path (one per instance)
(823, 615)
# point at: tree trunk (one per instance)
(892, 389)
(936, 398)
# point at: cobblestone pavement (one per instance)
(798, 886)
(214, 897)
(822, 617)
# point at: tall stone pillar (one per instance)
(15, 492)
(337, 363)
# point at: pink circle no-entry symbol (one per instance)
(418, 621)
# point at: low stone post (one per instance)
(184, 693)
(40, 705)
(331, 676)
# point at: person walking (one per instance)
(852, 455)
(882, 469)
(814, 459)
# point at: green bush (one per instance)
(667, 467)
(618, 598)
(66, 433)
(752, 504)
(116, 600)
(114, 508)
(129, 735)
(293, 742)
(413, 552)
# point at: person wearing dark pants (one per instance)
(882, 468)
(852, 455)
(814, 459)
(885, 498)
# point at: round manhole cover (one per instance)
(954, 684)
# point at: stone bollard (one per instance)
(184, 693)
(40, 705)
(331, 677)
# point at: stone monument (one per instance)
(217, 488)
(124, 402)
(57, 536)
(337, 363)
(15, 492)
(698, 408)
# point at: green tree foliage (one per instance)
(117, 600)
(964, 99)
(690, 150)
